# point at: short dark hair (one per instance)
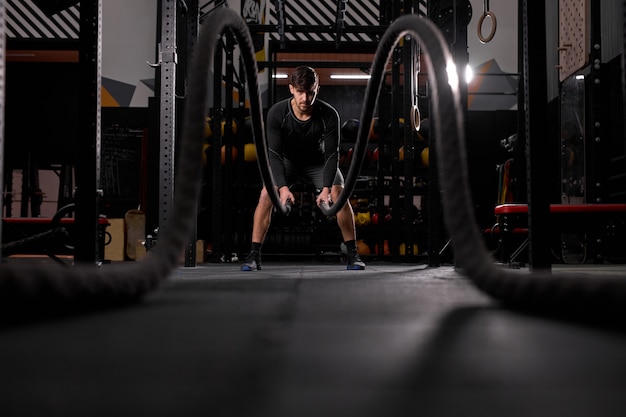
(304, 77)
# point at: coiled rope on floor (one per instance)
(88, 286)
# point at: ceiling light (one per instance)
(281, 76)
(350, 76)
(453, 77)
(469, 74)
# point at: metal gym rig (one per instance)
(603, 151)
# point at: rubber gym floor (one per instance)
(302, 339)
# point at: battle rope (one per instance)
(35, 242)
(557, 293)
(27, 286)
(567, 294)
(88, 286)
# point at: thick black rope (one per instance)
(563, 294)
(88, 286)
(57, 234)
(36, 241)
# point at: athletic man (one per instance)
(303, 143)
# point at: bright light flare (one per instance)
(350, 76)
(453, 78)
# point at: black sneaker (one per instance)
(252, 262)
(354, 262)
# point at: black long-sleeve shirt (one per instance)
(312, 142)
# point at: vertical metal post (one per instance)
(456, 35)
(88, 150)
(192, 22)
(596, 141)
(280, 10)
(243, 179)
(535, 119)
(397, 105)
(459, 48)
(460, 52)
(411, 70)
(227, 141)
(25, 188)
(434, 206)
(168, 59)
(623, 61)
(340, 16)
(2, 50)
(217, 202)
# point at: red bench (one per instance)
(601, 229)
(36, 236)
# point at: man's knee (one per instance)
(346, 210)
(265, 201)
(335, 192)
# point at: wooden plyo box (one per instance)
(115, 249)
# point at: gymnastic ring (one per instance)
(415, 118)
(419, 28)
(479, 27)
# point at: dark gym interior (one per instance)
(490, 213)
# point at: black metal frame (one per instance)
(88, 165)
(399, 99)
